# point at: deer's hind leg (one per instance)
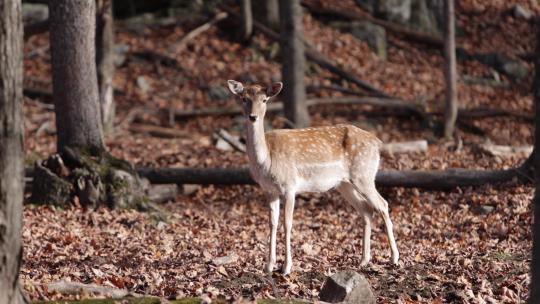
(380, 205)
(359, 203)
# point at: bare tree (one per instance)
(11, 150)
(247, 20)
(105, 61)
(450, 72)
(293, 62)
(75, 89)
(534, 296)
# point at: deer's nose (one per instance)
(253, 118)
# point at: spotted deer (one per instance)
(287, 162)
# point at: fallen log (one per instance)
(277, 106)
(35, 28)
(428, 179)
(415, 146)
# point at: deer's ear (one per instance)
(235, 87)
(274, 89)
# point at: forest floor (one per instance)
(469, 245)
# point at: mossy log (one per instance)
(92, 177)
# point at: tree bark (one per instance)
(75, 89)
(105, 62)
(11, 150)
(247, 20)
(450, 72)
(293, 62)
(534, 296)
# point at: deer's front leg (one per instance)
(289, 209)
(273, 220)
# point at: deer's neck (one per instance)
(257, 149)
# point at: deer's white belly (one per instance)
(320, 177)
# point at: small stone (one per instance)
(143, 84)
(188, 189)
(374, 35)
(521, 13)
(486, 209)
(347, 287)
(224, 260)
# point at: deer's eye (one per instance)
(245, 99)
(265, 99)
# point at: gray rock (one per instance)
(427, 16)
(143, 84)
(34, 12)
(188, 189)
(218, 93)
(347, 287)
(520, 12)
(486, 209)
(394, 10)
(374, 35)
(513, 68)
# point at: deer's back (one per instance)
(317, 159)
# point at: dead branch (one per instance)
(197, 31)
(504, 151)
(429, 179)
(158, 131)
(415, 146)
(231, 140)
(333, 87)
(75, 288)
(277, 106)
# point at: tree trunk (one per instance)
(450, 73)
(105, 62)
(293, 62)
(75, 89)
(247, 20)
(11, 146)
(534, 296)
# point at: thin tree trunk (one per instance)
(534, 296)
(293, 62)
(11, 146)
(272, 13)
(247, 20)
(450, 73)
(105, 62)
(75, 89)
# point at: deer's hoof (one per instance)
(286, 270)
(365, 261)
(269, 268)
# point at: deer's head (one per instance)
(253, 98)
